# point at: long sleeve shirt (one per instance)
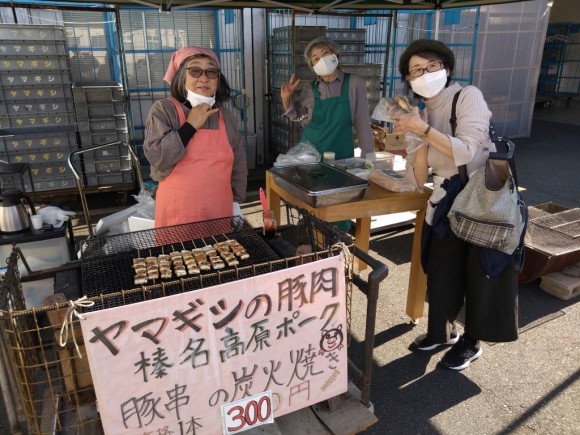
(302, 108)
(165, 142)
(471, 143)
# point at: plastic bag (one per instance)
(394, 181)
(137, 217)
(300, 154)
(145, 206)
(55, 216)
(388, 107)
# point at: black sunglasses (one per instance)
(210, 73)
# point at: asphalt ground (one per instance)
(530, 386)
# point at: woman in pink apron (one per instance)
(194, 146)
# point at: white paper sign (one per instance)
(247, 413)
(170, 364)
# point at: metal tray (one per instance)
(319, 185)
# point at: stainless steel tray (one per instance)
(319, 185)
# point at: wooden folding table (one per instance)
(375, 202)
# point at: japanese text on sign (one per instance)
(170, 364)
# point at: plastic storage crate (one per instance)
(97, 93)
(30, 78)
(346, 35)
(364, 70)
(39, 107)
(349, 47)
(32, 48)
(109, 178)
(23, 93)
(23, 120)
(48, 155)
(45, 176)
(23, 32)
(354, 57)
(55, 183)
(37, 113)
(89, 138)
(98, 110)
(94, 165)
(33, 63)
(102, 124)
(50, 170)
(298, 33)
(102, 120)
(26, 140)
(281, 46)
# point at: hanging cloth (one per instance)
(199, 187)
(331, 126)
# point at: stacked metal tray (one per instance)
(319, 185)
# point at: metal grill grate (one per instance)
(553, 233)
(107, 262)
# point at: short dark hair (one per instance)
(428, 49)
(179, 92)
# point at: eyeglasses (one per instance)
(432, 67)
(210, 73)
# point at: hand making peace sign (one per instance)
(288, 90)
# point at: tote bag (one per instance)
(489, 211)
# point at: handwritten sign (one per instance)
(170, 365)
(247, 413)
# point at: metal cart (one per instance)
(48, 388)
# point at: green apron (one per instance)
(330, 129)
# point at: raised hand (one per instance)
(409, 122)
(288, 90)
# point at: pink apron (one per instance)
(199, 187)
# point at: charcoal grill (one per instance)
(51, 387)
(106, 263)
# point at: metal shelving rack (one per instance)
(560, 68)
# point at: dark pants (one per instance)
(455, 277)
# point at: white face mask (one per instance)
(429, 84)
(197, 99)
(326, 65)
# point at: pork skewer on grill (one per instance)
(185, 261)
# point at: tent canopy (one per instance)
(308, 6)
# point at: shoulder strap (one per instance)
(344, 93)
(453, 121)
(179, 109)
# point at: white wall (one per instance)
(510, 43)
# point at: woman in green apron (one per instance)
(330, 106)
